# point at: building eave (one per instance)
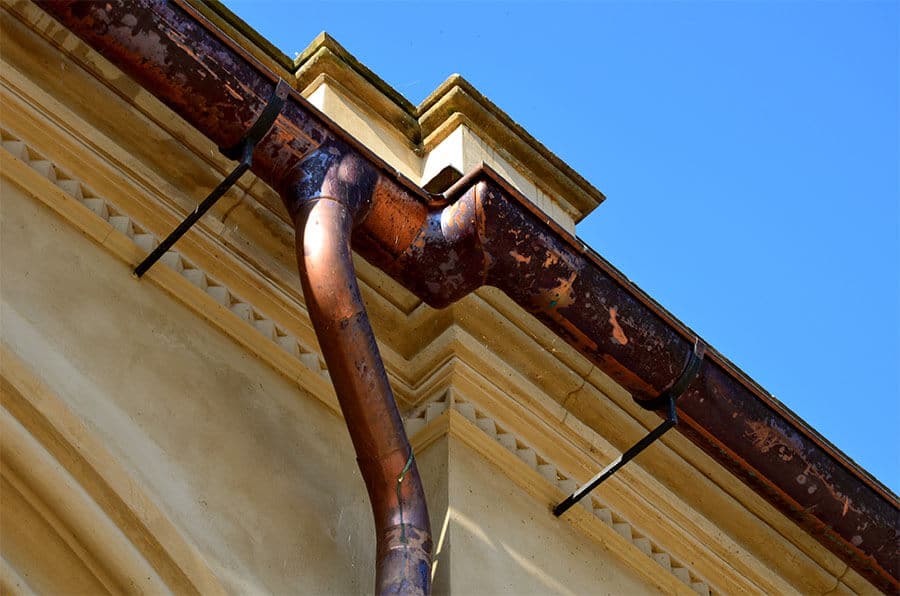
(785, 416)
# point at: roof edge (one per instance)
(455, 95)
(235, 26)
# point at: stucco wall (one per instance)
(504, 542)
(260, 477)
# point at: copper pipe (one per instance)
(332, 190)
(324, 185)
(485, 233)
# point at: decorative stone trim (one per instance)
(174, 260)
(449, 400)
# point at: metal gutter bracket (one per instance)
(242, 151)
(666, 399)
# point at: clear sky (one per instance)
(750, 153)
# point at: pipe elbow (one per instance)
(328, 195)
(332, 171)
(446, 260)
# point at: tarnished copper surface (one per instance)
(484, 233)
(328, 191)
(220, 93)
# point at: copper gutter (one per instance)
(481, 232)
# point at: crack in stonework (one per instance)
(572, 393)
(237, 204)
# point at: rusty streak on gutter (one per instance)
(482, 232)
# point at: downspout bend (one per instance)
(327, 195)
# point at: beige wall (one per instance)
(261, 478)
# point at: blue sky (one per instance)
(750, 153)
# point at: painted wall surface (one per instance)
(503, 541)
(261, 478)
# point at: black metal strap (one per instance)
(242, 150)
(681, 383)
(667, 398)
(263, 122)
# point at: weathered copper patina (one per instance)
(332, 188)
(325, 186)
(482, 232)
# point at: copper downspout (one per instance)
(482, 232)
(334, 190)
(325, 188)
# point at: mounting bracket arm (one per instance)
(667, 398)
(243, 149)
